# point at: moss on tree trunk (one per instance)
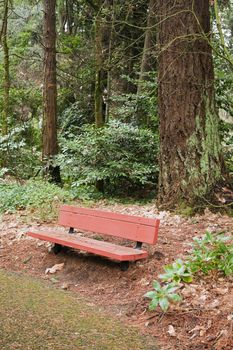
(190, 151)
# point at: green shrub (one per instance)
(121, 155)
(75, 116)
(211, 252)
(20, 159)
(138, 108)
(36, 195)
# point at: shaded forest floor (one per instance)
(203, 320)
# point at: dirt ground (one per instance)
(203, 320)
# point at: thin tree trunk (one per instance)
(101, 73)
(50, 144)
(109, 45)
(62, 17)
(6, 82)
(190, 152)
(102, 81)
(147, 62)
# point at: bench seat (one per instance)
(106, 249)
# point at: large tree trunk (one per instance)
(190, 160)
(50, 144)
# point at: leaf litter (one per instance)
(203, 320)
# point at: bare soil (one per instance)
(203, 320)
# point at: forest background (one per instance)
(87, 87)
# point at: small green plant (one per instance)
(177, 272)
(212, 252)
(162, 295)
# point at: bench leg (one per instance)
(124, 265)
(57, 248)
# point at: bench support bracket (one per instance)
(138, 245)
(124, 265)
(57, 248)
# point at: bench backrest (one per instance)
(130, 227)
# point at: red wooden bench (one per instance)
(138, 229)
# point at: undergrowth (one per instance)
(212, 252)
(39, 196)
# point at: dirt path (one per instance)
(33, 317)
(203, 320)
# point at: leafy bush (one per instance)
(18, 158)
(228, 149)
(121, 155)
(140, 108)
(75, 116)
(31, 195)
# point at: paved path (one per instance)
(34, 316)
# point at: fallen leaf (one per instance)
(65, 286)
(54, 268)
(221, 291)
(171, 330)
(214, 304)
(144, 282)
(197, 328)
(20, 235)
(27, 259)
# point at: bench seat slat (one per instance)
(109, 250)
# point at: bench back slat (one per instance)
(134, 228)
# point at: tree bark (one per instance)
(50, 144)
(102, 50)
(190, 152)
(6, 82)
(103, 39)
(148, 61)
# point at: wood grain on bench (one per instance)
(109, 250)
(130, 227)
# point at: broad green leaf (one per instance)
(150, 294)
(175, 297)
(153, 304)
(164, 304)
(156, 285)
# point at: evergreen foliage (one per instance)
(120, 154)
(124, 153)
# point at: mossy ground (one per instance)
(34, 316)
